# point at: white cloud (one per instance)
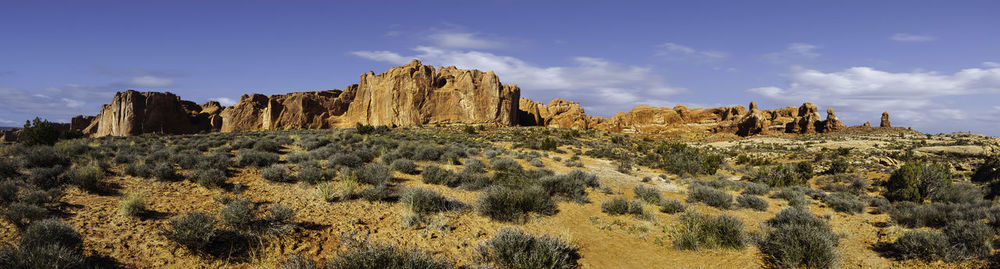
(151, 82)
(56, 103)
(604, 87)
(461, 40)
(679, 52)
(903, 37)
(991, 64)
(914, 98)
(5, 121)
(224, 101)
(793, 52)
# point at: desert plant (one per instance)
(275, 172)
(42, 156)
(39, 132)
(166, 172)
(423, 201)
(89, 177)
(508, 204)
(238, 213)
(252, 157)
(210, 177)
(50, 232)
(377, 193)
(572, 185)
(193, 230)
(968, 240)
(710, 197)
(345, 189)
(795, 198)
(621, 206)
(755, 188)
(132, 205)
(312, 174)
(8, 192)
(844, 202)
(139, 169)
(345, 159)
(697, 231)
(439, 176)
(917, 181)
(46, 177)
(405, 166)
(473, 166)
(671, 206)
(21, 214)
(374, 256)
(649, 194)
(513, 248)
(372, 174)
(926, 245)
(751, 201)
(798, 238)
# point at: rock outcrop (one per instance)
(559, 113)
(755, 122)
(885, 120)
(831, 124)
(134, 113)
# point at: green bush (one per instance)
(252, 157)
(649, 194)
(165, 172)
(797, 238)
(697, 231)
(926, 245)
(968, 240)
(238, 213)
(779, 176)
(423, 201)
(838, 166)
(508, 204)
(21, 214)
(374, 256)
(372, 174)
(917, 181)
(844, 202)
(512, 248)
(210, 177)
(275, 172)
(439, 176)
(404, 166)
(621, 206)
(710, 197)
(672, 206)
(681, 159)
(751, 201)
(39, 132)
(193, 230)
(132, 205)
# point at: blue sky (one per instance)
(934, 65)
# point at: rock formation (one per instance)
(885, 120)
(417, 94)
(867, 124)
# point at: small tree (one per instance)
(39, 132)
(917, 181)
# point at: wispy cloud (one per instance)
(151, 82)
(676, 51)
(903, 37)
(463, 40)
(224, 101)
(793, 52)
(991, 64)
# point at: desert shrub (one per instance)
(968, 240)
(39, 132)
(805, 169)
(186, 159)
(926, 245)
(8, 192)
(404, 166)
(312, 174)
(423, 201)
(794, 197)
(751, 201)
(473, 166)
(377, 193)
(50, 232)
(372, 174)
(89, 177)
(779, 176)
(237, 213)
(506, 165)
(508, 204)
(267, 145)
(572, 185)
(439, 176)
(698, 231)
(46, 177)
(166, 172)
(374, 256)
(536, 163)
(838, 166)
(312, 142)
(299, 157)
(345, 159)
(132, 205)
(39, 197)
(621, 206)
(513, 248)
(42, 156)
(139, 169)
(428, 153)
(914, 215)
(252, 157)
(193, 230)
(8, 169)
(681, 159)
(298, 261)
(649, 194)
(844, 202)
(209, 177)
(710, 196)
(471, 181)
(880, 204)
(797, 238)
(916, 181)
(958, 193)
(275, 172)
(47, 256)
(21, 214)
(345, 189)
(755, 188)
(671, 206)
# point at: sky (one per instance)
(933, 65)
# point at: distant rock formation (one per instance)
(416, 94)
(885, 120)
(867, 124)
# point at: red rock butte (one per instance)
(416, 94)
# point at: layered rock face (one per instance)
(407, 95)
